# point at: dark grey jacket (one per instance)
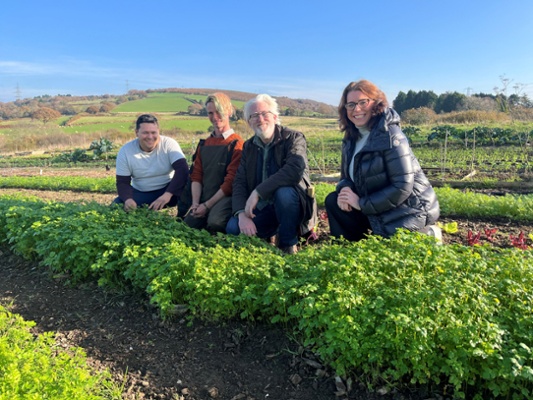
(394, 191)
(286, 166)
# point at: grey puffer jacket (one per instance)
(394, 191)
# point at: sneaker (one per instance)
(289, 249)
(436, 232)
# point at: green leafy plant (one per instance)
(399, 311)
(34, 367)
(449, 227)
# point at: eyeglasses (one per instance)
(361, 103)
(255, 116)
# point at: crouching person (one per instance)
(270, 193)
(215, 165)
(151, 170)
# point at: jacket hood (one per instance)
(381, 136)
(390, 117)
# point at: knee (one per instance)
(331, 200)
(286, 195)
(232, 227)
(217, 225)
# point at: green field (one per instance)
(164, 102)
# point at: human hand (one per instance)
(251, 203)
(161, 201)
(200, 211)
(247, 225)
(130, 205)
(348, 200)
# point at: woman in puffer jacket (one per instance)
(382, 186)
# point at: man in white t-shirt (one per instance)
(151, 169)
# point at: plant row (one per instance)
(452, 202)
(402, 312)
(33, 367)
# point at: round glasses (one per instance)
(361, 103)
(255, 116)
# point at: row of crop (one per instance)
(74, 183)
(452, 202)
(399, 311)
(33, 367)
(480, 135)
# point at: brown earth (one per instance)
(172, 360)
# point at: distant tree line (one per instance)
(41, 107)
(454, 101)
(420, 106)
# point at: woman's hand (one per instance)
(348, 200)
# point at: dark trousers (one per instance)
(146, 198)
(282, 218)
(352, 225)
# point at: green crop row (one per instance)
(398, 312)
(33, 367)
(74, 183)
(452, 202)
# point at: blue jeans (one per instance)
(283, 217)
(147, 198)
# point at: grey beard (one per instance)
(263, 135)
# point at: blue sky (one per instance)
(300, 49)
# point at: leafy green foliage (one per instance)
(74, 183)
(74, 157)
(470, 204)
(32, 368)
(101, 147)
(401, 311)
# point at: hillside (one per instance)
(68, 105)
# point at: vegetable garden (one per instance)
(402, 315)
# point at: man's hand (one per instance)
(161, 201)
(251, 203)
(246, 225)
(130, 205)
(199, 210)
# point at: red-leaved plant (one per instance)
(519, 241)
(489, 234)
(473, 239)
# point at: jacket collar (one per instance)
(380, 137)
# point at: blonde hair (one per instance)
(222, 104)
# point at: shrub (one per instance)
(472, 116)
(418, 116)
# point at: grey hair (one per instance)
(262, 98)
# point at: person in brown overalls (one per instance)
(215, 165)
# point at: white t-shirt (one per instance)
(149, 170)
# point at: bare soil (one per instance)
(172, 360)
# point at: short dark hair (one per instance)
(146, 119)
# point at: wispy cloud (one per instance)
(65, 67)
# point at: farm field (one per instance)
(122, 330)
